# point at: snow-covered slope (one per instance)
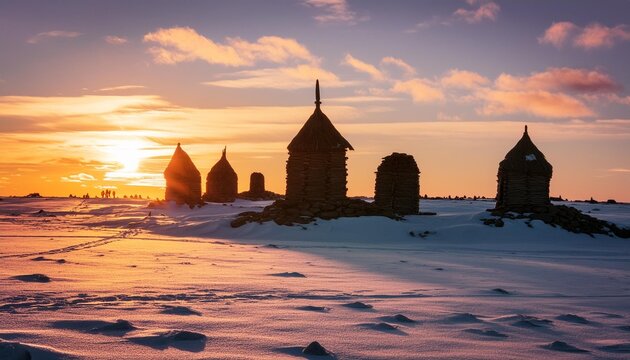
(190, 286)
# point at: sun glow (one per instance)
(127, 153)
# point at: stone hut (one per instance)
(523, 178)
(183, 180)
(257, 184)
(316, 169)
(398, 185)
(222, 182)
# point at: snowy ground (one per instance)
(265, 291)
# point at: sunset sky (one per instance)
(96, 94)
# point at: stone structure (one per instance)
(316, 169)
(523, 178)
(183, 180)
(398, 185)
(257, 184)
(222, 182)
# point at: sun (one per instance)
(127, 153)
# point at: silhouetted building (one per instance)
(222, 182)
(316, 169)
(398, 184)
(183, 180)
(257, 184)
(523, 178)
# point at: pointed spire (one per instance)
(224, 151)
(317, 102)
(525, 129)
(179, 145)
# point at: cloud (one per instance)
(362, 99)
(592, 36)
(463, 79)
(486, 11)
(335, 11)
(364, 67)
(568, 79)
(406, 68)
(421, 90)
(620, 170)
(184, 44)
(596, 36)
(52, 34)
(115, 40)
(77, 178)
(539, 103)
(283, 78)
(557, 33)
(122, 87)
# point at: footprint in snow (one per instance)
(40, 278)
(487, 333)
(384, 327)
(313, 308)
(179, 310)
(572, 318)
(462, 318)
(289, 274)
(563, 347)
(358, 305)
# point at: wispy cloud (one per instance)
(463, 79)
(400, 63)
(52, 34)
(115, 40)
(78, 178)
(183, 44)
(486, 11)
(593, 36)
(287, 78)
(335, 11)
(122, 87)
(568, 79)
(420, 90)
(620, 170)
(364, 67)
(536, 102)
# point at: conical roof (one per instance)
(222, 167)
(318, 133)
(526, 158)
(181, 164)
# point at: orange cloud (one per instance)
(80, 177)
(590, 37)
(406, 68)
(571, 79)
(536, 102)
(364, 67)
(557, 33)
(183, 44)
(463, 79)
(421, 90)
(596, 35)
